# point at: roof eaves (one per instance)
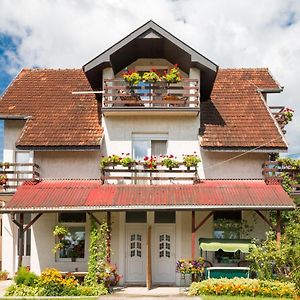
(105, 56)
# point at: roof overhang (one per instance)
(151, 41)
(244, 149)
(91, 195)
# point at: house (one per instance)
(59, 123)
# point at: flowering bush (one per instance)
(151, 76)
(170, 161)
(191, 266)
(242, 287)
(191, 160)
(3, 179)
(150, 162)
(109, 276)
(133, 78)
(173, 76)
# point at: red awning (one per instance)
(91, 195)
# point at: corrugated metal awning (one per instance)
(91, 195)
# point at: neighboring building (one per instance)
(58, 124)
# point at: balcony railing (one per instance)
(118, 94)
(14, 174)
(139, 174)
(279, 115)
(276, 172)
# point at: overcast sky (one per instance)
(232, 33)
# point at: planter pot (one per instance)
(73, 259)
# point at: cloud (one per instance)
(233, 33)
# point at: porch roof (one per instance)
(91, 195)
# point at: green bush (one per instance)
(25, 277)
(242, 287)
(97, 290)
(22, 290)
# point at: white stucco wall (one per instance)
(68, 164)
(12, 131)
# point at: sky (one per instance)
(231, 33)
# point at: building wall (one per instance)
(68, 164)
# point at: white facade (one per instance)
(181, 135)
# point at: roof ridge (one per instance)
(52, 69)
(245, 68)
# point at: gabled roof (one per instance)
(86, 195)
(151, 41)
(237, 115)
(55, 117)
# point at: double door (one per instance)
(162, 251)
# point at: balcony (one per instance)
(137, 173)
(280, 114)
(14, 174)
(276, 172)
(157, 98)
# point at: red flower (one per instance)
(146, 158)
(175, 65)
(171, 156)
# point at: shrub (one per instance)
(25, 277)
(242, 287)
(96, 290)
(22, 290)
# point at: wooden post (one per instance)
(193, 241)
(108, 241)
(149, 269)
(21, 240)
(278, 227)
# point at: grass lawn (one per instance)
(239, 298)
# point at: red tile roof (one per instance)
(91, 195)
(58, 118)
(236, 116)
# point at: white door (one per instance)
(136, 259)
(163, 258)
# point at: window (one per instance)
(227, 225)
(165, 217)
(73, 243)
(136, 217)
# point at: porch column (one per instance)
(108, 241)
(278, 227)
(21, 240)
(193, 235)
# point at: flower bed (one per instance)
(242, 287)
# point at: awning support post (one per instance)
(21, 234)
(193, 241)
(94, 218)
(278, 227)
(108, 239)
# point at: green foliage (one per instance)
(60, 230)
(191, 160)
(96, 290)
(113, 159)
(242, 287)
(269, 260)
(23, 290)
(133, 78)
(173, 76)
(97, 253)
(150, 77)
(25, 277)
(127, 161)
(170, 162)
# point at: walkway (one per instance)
(3, 285)
(144, 293)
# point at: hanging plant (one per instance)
(3, 179)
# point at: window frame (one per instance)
(73, 225)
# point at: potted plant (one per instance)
(60, 231)
(3, 275)
(170, 162)
(150, 162)
(173, 76)
(127, 161)
(3, 179)
(151, 76)
(4, 165)
(191, 160)
(105, 161)
(132, 78)
(112, 159)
